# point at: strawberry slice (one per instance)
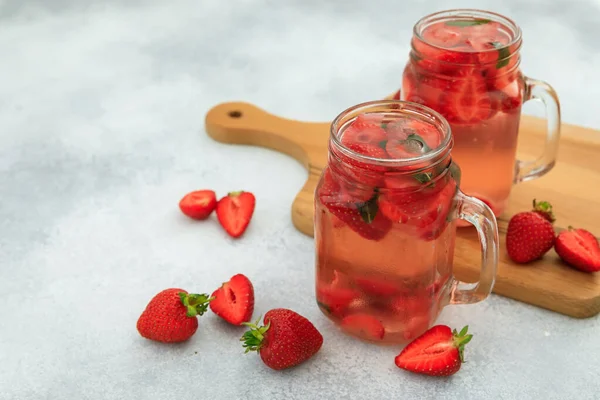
(363, 325)
(363, 218)
(363, 178)
(234, 212)
(366, 129)
(335, 297)
(437, 352)
(579, 248)
(198, 204)
(234, 300)
(467, 101)
(376, 287)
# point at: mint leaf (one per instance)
(382, 144)
(384, 125)
(411, 143)
(455, 172)
(423, 177)
(503, 54)
(368, 209)
(470, 22)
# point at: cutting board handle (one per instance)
(244, 123)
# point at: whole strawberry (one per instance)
(530, 234)
(579, 248)
(286, 339)
(437, 352)
(171, 315)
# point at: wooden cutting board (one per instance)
(573, 188)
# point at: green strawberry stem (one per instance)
(253, 339)
(196, 304)
(235, 194)
(545, 208)
(460, 339)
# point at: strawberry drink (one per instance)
(385, 223)
(465, 65)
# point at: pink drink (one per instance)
(385, 212)
(465, 65)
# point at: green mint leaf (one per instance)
(471, 22)
(503, 54)
(382, 144)
(454, 170)
(384, 125)
(423, 177)
(411, 143)
(368, 209)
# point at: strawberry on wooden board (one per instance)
(437, 352)
(171, 315)
(198, 204)
(579, 248)
(234, 300)
(234, 212)
(530, 234)
(363, 325)
(285, 340)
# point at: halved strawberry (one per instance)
(364, 326)
(579, 248)
(366, 129)
(437, 352)
(235, 211)
(467, 101)
(234, 300)
(198, 204)
(335, 297)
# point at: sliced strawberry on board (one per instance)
(467, 102)
(437, 352)
(234, 300)
(235, 211)
(579, 248)
(335, 297)
(366, 128)
(364, 326)
(198, 204)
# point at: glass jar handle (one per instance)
(482, 218)
(539, 90)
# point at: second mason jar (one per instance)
(465, 64)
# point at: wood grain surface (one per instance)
(573, 188)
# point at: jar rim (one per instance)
(468, 12)
(392, 107)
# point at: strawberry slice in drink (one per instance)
(376, 287)
(360, 178)
(365, 129)
(335, 297)
(364, 326)
(467, 101)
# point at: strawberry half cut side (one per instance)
(234, 300)
(437, 352)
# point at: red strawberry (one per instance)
(376, 287)
(198, 204)
(363, 218)
(437, 352)
(396, 95)
(364, 326)
(234, 212)
(579, 248)
(335, 297)
(530, 234)
(467, 101)
(366, 129)
(234, 300)
(170, 316)
(286, 339)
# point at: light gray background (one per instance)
(101, 133)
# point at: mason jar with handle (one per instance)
(465, 64)
(386, 209)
